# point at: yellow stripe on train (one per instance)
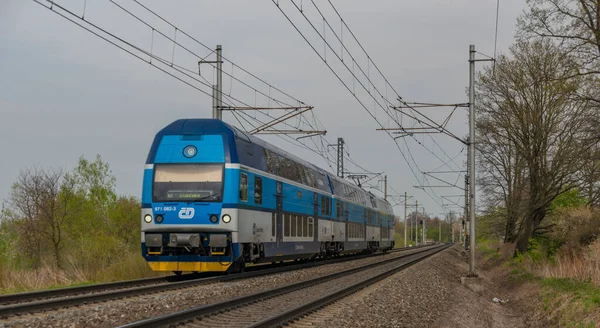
(190, 266)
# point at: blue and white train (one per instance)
(215, 199)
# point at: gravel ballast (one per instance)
(119, 312)
(427, 294)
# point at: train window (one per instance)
(270, 164)
(301, 174)
(338, 208)
(273, 224)
(244, 187)
(258, 190)
(289, 165)
(280, 165)
(313, 177)
(299, 225)
(293, 225)
(286, 226)
(294, 172)
(310, 227)
(325, 205)
(305, 227)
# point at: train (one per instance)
(217, 199)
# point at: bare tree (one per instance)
(503, 169)
(574, 24)
(538, 125)
(42, 205)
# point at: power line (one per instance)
(368, 90)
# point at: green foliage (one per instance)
(399, 240)
(99, 232)
(568, 199)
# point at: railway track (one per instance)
(31, 302)
(280, 305)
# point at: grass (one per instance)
(568, 285)
(570, 303)
(129, 266)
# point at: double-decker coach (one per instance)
(215, 198)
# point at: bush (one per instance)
(575, 227)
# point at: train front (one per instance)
(188, 182)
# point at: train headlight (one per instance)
(226, 218)
(214, 218)
(159, 219)
(148, 218)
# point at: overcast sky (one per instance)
(66, 93)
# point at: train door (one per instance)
(279, 210)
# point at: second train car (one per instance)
(215, 198)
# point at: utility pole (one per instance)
(417, 223)
(385, 187)
(472, 61)
(440, 236)
(218, 88)
(405, 219)
(340, 159)
(423, 228)
(472, 158)
(463, 232)
(219, 83)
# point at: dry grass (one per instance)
(130, 266)
(582, 266)
(13, 281)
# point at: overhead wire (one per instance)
(355, 78)
(180, 69)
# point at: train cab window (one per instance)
(200, 182)
(310, 227)
(243, 187)
(258, 190)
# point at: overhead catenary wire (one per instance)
(355, 79)
(154, 60)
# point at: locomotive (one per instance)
(215, 199)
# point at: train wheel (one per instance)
(177, 273)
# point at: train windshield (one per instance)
(188, 183)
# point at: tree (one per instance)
(125, 221)
(42, 208)
(574, 24)
(502, 166)
(538, 125)
(95, 182)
